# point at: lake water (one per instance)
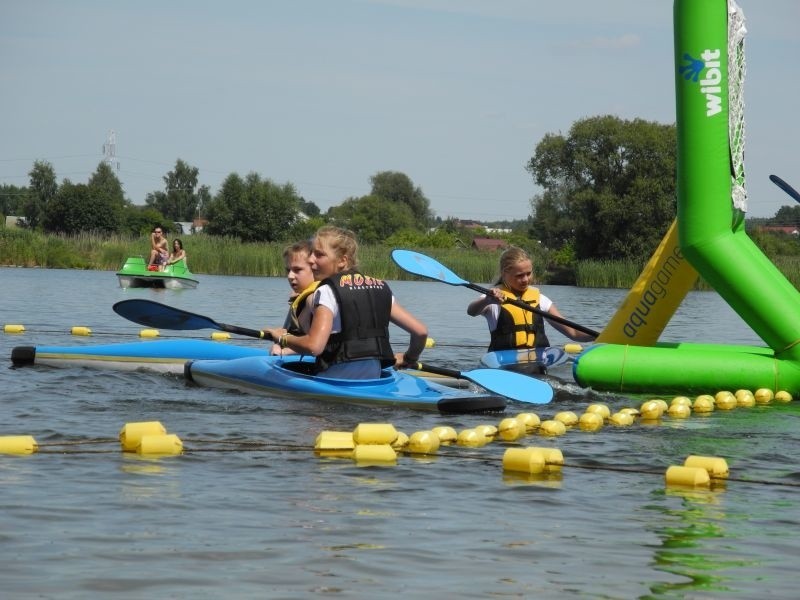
(248, 511)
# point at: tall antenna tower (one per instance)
(110, 150)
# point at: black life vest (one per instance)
(517, 327)
(365, 305)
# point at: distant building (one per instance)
(13, 221)
(483, 243)
(790, 229)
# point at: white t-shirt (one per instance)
(492, 311)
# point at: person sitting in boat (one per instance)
(159, 249)
(296, 259)
(178, 253)
(351, 312)
(512, 326)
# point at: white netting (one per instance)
(736, 73)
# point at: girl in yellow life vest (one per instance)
(296, 259)
(511, 326)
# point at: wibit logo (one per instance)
(710, 85)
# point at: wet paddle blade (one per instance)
(425, 266)
(515, 386)
(161, 316)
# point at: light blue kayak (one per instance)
(164, 356)
(531, 361)
(291, 375)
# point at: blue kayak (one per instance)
(164, 356)
(291, 375)
(531, 361)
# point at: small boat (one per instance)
(162, 356)
(291, 375)
(531, 361)
(136, 273)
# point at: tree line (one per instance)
(609, 192)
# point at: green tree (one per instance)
(397, 187)
(43, 188)
(609, 187)
(253, 209)
(372, 218)
(82, 208)
(12, 199)
(178, 201)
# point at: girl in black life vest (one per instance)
(511, 326)
(349, 331)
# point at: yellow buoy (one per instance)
(704, 403)
(80, 330)
(783, 396)
(687, 477)
(161, 444)
(523, 460)
(528, 420)
(14, 328)
(573, 348)
(679, 411)
(685, 400)
(131, 434)
(374, 433)
(446, 434)
(430, 342)
(567, 417)
(401, 441)
(423, 442)
(634, 412)
(717, 467)
(471, 438)
(590, 421)
(551, 427)
(334, 440)
(488, 431)
(745, 398)
(651, 410)
(220, 335)
(621, 419)
(510, 429)
(724, 400)
(375, 454)
(149, 333)
(600, 409)
(553, 458)
(763, 396)
(18, 444)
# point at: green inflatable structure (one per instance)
(711, 235)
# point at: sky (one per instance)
(323, 94)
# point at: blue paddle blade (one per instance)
(515, 386)
(425, 266)
(161, 316)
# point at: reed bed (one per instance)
(228, 256)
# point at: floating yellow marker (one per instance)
(160, 444)
(401, 441)
(652, 410)
(471, 438)
(529, 420)
(704, 403)
(599, 408)
(687, 477)
(14, 328)
(552, 427)
(446, 434)
(334, 440)
(510, 429)
(375, 454)
(488, 431)
(679, 411)
(716, 467)
(523, 460)
(374, 433)
(220, 335)
(430, 342)
(573, 348)
(149, 333)
(725, 400)
(783, 396)
(131, 434)
(763, 396)
(423, 442)
(553, 458)
(678, 400)
(18, 444)
(745, 398)
(621, 419)
(590, 421)
(567, 417)
(80, 330)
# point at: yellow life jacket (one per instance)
(518, 327)
(296, 307)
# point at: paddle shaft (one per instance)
(526, 306)
(785, 187)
